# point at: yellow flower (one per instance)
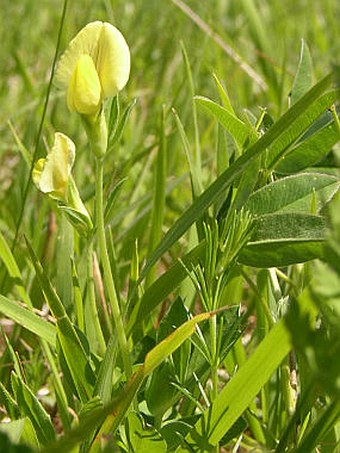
(52, 176)
(95, 66)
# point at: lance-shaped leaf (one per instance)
(112, 414)
(73, 350)
(283, 239)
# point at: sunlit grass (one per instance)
(203, 202)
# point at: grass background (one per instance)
(266, 35)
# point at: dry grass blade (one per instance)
(221, 42)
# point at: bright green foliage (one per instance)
(179, 289)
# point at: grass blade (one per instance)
(234, 399)
(201, 204)
(27, 319)
(75, 355)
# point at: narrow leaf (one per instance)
(237, 128)
(32, 408)
(236, 396)
(75, 355)
(283, 239)
(304, 75)
(114, 412)
(12, 268)
(294, 131)
(27, 319)
(310, 151)
(221, 184)
(294, 193)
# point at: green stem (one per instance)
(214, 365)
(108, 278)
(93, 327)
(214, 360)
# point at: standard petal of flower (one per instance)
(37, 170)
(84, 90)
(85, 42)
(113, 60)
(57, 167)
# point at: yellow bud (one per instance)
(84, 90)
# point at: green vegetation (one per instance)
(181, 293)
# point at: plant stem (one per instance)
(214, 360)
(108, 278)
(214, 364)
(93, 327)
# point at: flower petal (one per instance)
(85, 42)
(56, 168)
(113, 60)
(107, 47)
(84, 89)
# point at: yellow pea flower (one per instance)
(52, 176)
(95, 66)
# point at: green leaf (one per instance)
(304, 75)
(163, 286)
(236, 396)
(111, 201)
(8, 402)
(224, 95)
(114, 412)
(196, 180)
(293, 194)
(118, 130)
(237, 128)
(103, 386)
(293, 132)
(23, 150)
(64, 277)
(76, 358)
(159, 191)
(220, 185)
(310, 151)
(143, 439)
(283, 239)
(32, 408)
(12, 268)
(159, 391)
(27, 319)
(174, 431)
(19, 432)
(325, 422)
(160, 352)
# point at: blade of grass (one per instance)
(221, 43)
(37, 141)
(29, 320)
(113, 413)
(75, 355)
(31, 407)
(159, 190)
(319, 429)
(197, 154)
(13, 270)
(199, 206)
(236, 396)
